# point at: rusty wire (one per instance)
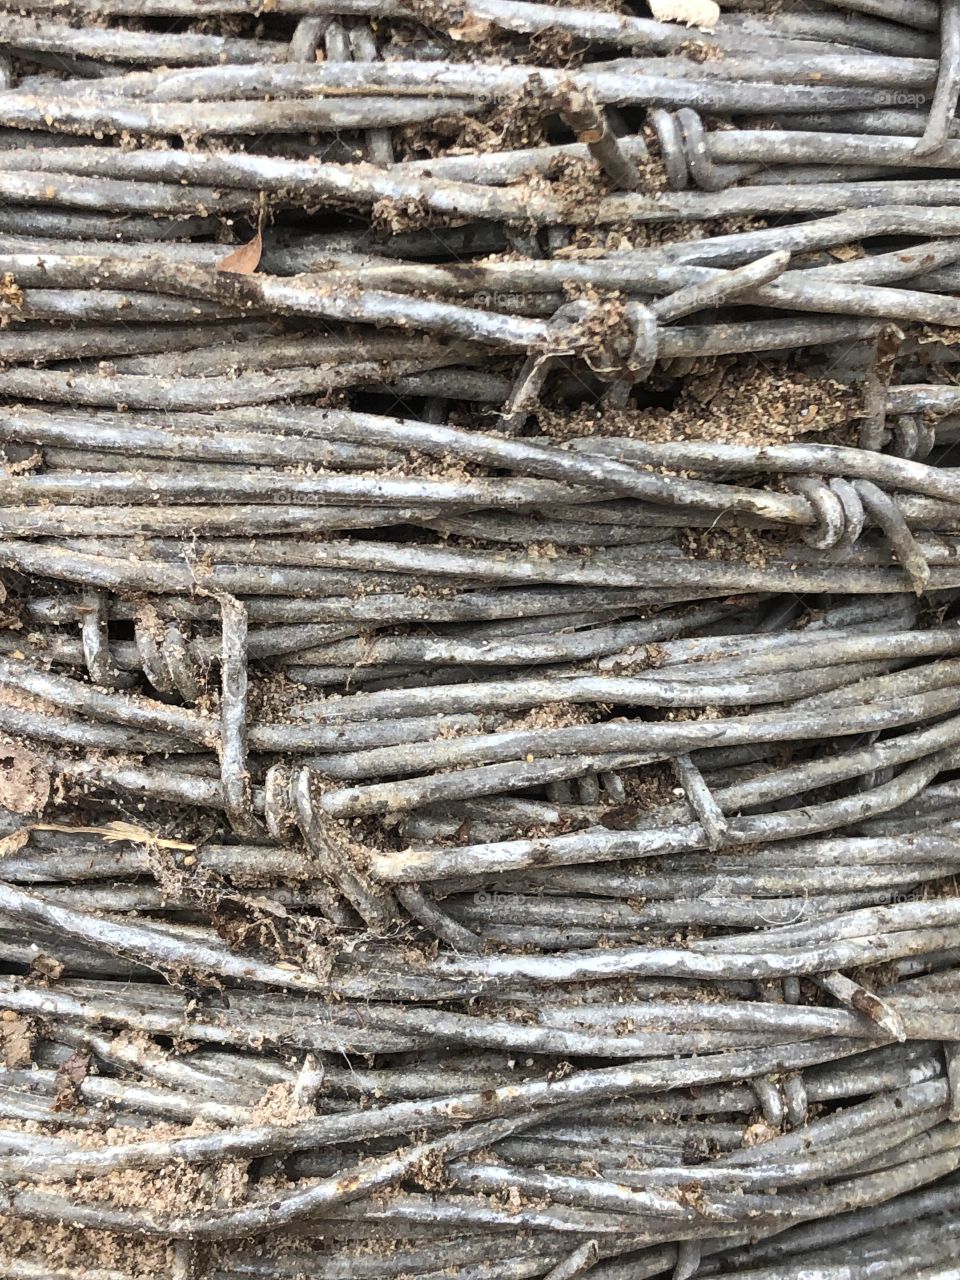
(479, 729)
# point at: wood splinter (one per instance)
(854, 996)
(580, 112)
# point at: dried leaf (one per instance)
(10, 291)
(704, 14)
(23, 465)
(14, 842)
(244, 260)
(24, 778)
(621, 818)
(846, 252)
(16, 1041)
(268, 905)
(755, 1134)
(44, 966)
(70, 1077)
(471, 30)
